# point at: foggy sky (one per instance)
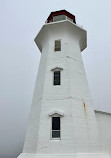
(20, 22)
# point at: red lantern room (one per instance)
(61, 15)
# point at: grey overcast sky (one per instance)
(20, 21)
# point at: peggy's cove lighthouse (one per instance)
(62, 122)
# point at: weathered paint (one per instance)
(84, 108)
(85, 112)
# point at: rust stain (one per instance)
(84, 108)
(85, 112)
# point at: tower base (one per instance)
(81, 155)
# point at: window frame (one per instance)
(56, 138)
(55, 113)
(56, 130)
(57, 69)
(56, 75)
(56, 47)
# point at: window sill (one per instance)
(55, 140)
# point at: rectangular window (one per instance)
(55, 127)
(56, 77)
(57, 45)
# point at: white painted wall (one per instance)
(79, 132)
(104, 125)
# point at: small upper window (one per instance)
(55, 127)
(56, 77)
(57, 45)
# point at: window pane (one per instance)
(57, 49)
(56, 77)
(55, 134)
(57, 45)
(56, 72)
(69, 19)
(56, 82)
(55, 123)
(59, 17)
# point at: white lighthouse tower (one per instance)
(62, 122)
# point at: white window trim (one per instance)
(55, 113)
(57, 69)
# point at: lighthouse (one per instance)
(62, 122)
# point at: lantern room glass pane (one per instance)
(70, 19)
(59, 18)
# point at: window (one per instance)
(56, 78)
(57, 45)
(70, 19)
(56, 75)
(59, 18)
(55, 127)
(56, 124)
